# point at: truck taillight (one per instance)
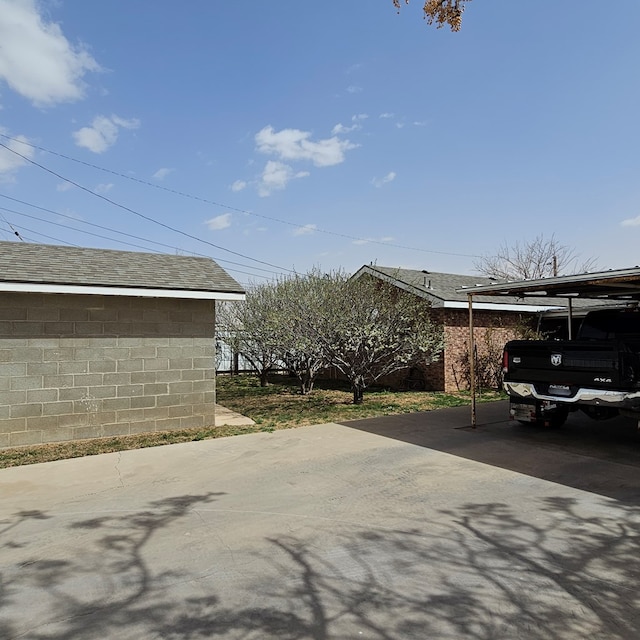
(505, 361)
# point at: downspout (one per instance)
(472, 363)
(215, 369)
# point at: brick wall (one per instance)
(491, 331)
(78, 366)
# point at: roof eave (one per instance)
(500, 306)
(133, 292)
(436, 301)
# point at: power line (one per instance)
(15, 233)
(129, 244)
(24, 238)
(137, 213)
(129, 235)
(224, 206)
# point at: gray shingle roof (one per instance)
(49, 264)
(443, 287)
(438, 285)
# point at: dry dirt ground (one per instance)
(412, 526)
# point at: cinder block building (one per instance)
(97, 342)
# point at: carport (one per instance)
(619, 286)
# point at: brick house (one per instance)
(97, 342)
(495, 322)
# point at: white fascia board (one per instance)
(488, 306)
(132, 292)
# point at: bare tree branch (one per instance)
(539, 258)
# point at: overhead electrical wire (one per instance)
(137, 213)
(124, 233)
(97, 235)
(15, 233)
(221, 205)
(60, 241)
(38, 233)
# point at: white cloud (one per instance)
(362, 241)
(238, 185)
(354, 89)
(10, 162)
(631, 222)
(294, 144)
(36, 59)
(378, 182)
(103, 132)
(219, 222)
(104, 188)
(64, 186)
(162, 173)
(305, 230)
(276, 176)
(340, 129)
(387, 115)
(356, 120)
(248, 231)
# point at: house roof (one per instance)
(62, 269)
(449, 290)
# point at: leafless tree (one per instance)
(539, 258)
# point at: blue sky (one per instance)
(284, 135)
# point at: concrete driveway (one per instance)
(391, 529)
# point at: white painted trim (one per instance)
(133, 292)
(489, 306)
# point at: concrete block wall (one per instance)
(80, 366)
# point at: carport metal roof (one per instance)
(614, 286)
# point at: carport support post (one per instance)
(472, 363)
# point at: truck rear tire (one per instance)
(557, 418)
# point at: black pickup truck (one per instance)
(598, 372)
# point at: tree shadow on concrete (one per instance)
(102, 591)
(480, 571)
(8, 526)
(484, 574)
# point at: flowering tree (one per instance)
(300, 298)
(252, 327)
(369, 329)
(363, 327)
(269, 329)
